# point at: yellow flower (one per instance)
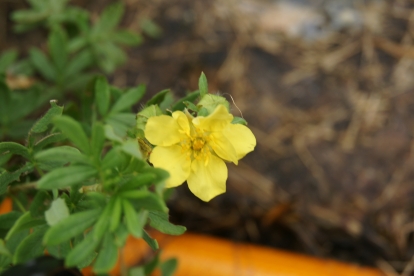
(193, 149)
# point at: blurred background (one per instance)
(327, 87)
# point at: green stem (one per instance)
(19, 204)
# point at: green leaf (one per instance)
(115, 218)
(181, 103)
(8, 220)
(23, 223)
(31, 246)
(168, 267)
(150, 28)
(135, 222)
(40, 204)
(42, 124)
(57, 212)
(47, 140)
(142, 179)
(108, 255)
(210, 102)
(102, 224)
(110, 17)
(57, 44)
(111, 135)
(61, 155)
(97, 140)
(59, 251)
(70, 227)
(158, 98)
(78, 63)
(159, 221)
(82, 251)
(3, 249)
(127, 38)
(73, 130)
(102, 95)
(131, 97)
(239, 120)
(6, 59)
(8, 177)
(66, 177)
(131, 147)
(150, 241)
(42, 64)
(203, 85)
(14, 148)
(145, 200)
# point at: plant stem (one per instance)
(19, 204)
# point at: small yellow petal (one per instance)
(223, 147)
(175, 161)
(208, 181)
(182, 121)
(216, 121)
(162, 131)
(241, 137)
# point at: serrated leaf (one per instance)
(70, 227)
(82, 251)
(73, 130)
(42, 124)
(42, 64)
(57, 212)
(31, 246)
(59, 251)
(102, 225)
(150, 241)
(102, 95)
(66, 177)
(111, 135)
(131, 97)
(159, 221)
(181, 103)
(203, 85)
(14, 148)
(145, 200)
(135, 222)
(57, 44)
(108, 255)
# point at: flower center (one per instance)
(198, 144)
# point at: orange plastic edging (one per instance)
(201, 255)
(207, 256)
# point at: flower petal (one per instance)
(174, 160)
(182, 121)
(162, 131)
(241, 137)
(223, 147)
(216, 121)
(208, 181)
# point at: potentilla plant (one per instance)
(81, 189)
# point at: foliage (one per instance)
(79, 175)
